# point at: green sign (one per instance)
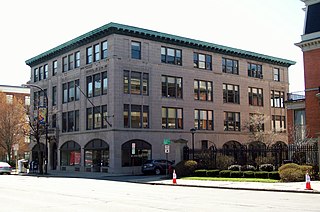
(166, 141)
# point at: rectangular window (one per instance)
(276, 74)
(40, 73)
(64, 93)
(104, 82)
(135, 50)
(54, 95)
(230, 66)
(97, 121)
(89, 55)
(54, 68)
(278, 123)
(135, 85)
(96, 117)
(255, 96)
(105, 116)
(89, 119)
(104, 51)
(171, 87)
(96, 85)
(136, 116)
(77, 90)
(89, 87)
(135, 82)
(231, 94)
(203, 119)
(172, 118)
(202, 90)
(202, 61)
(70, 121)
(70, 92)
(277, 98)
(64, 122)
(35, 75)
(76, 120)
(45, 75)
(96, 52)
(77, 60)
(171, 56)
(64, 64)
(231, 121)
(255, 70)
(70, 61)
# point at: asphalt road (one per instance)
(25, 193)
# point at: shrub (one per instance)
(291, 175)
(289, 165)
(213, 173)
(292, 172)
(266, 167)
(185, 168)
(306, 168)
(274, 175)
(261, 174)
(248, 168)
(234, 168)
(223, 161)
(248, 174)
(200, 173)
(225, 173)
(236, 174)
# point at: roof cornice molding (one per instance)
(309, 44)
(114, 28)
(310, 2)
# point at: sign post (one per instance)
(166, 143)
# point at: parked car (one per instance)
(156, 166)
(5, 168)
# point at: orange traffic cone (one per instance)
(174, 177)
(308, 183)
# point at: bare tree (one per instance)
(255, 126)
(299, 134)
(12, 124)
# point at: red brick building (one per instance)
(310, 46)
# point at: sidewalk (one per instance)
(160, 180)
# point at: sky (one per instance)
(270, 27)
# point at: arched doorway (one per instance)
(70, 154)
(135, 152)
(96, 156)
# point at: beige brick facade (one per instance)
(119, 59)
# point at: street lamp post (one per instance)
(46, 124)
(193, 130)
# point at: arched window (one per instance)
(135, 152)
(96, 154)
(70, 154)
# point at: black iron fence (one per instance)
(276, 155)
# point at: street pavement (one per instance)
(299, 187)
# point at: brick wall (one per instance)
(312, 80)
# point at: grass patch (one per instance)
(232, 179)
